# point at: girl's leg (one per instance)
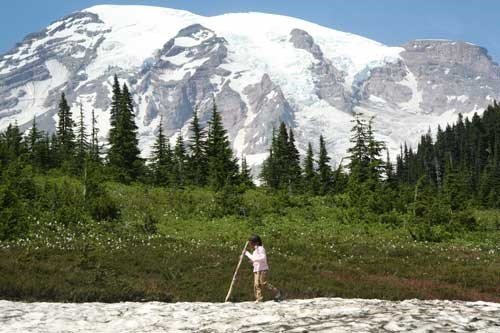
(257, 286)
(264, 283)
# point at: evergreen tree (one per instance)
(116, 106)
(198, 161)
(309, 171)
(13, 143)
(34, 136)
(95, 153)
(246, 174)
(34, 144)
(53, 151)
(455, 188)
(222, 166)
(161, 158)
(269, 172)
(281, 170)
(340, 179)
(324, 169)
(489, 186)
(278, 171)
(293, 162)
(374, 150)
(44, 157)
(358, 153)
(65, 133)
(389, 169)
(17, 194)
(123, 155)
(180, 162)
(82, 144)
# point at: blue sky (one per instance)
(391, 22)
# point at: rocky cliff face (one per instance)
(260, 69)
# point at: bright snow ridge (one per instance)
(137, 31)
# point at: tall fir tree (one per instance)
(281, 170)
(222, 165)
(161, 159)
(281, 155)
(358, 152)
(95, 150)
(65, 132)
(246, 174)
(179, 162)
(293, 162)
(198, 161)
(116, 106)
(34, 141)
(44, 156)
(123, 155)
(269, 171)
(374, 149)
(389, 169)
(34, 136)
(54, 150)
(310, 175)
(325, 174)
(82, 143)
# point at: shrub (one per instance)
(464, 220)
(393, 219)
(150, 224)
(103, 208)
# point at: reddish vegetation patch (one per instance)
(427, 289)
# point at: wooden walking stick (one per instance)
(236, 272)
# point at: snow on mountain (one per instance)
(260, 68)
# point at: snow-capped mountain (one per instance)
(260, 68)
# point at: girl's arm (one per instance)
(249, 255)
(258, 255)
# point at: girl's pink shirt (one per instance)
(259, 259)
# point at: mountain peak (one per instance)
(140, 10)
(260, 68)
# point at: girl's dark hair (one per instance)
(255, 239)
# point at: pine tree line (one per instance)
(206, 160)
(282, 169)
(463, 160)
(63, 149)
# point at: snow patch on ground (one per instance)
(322, 314)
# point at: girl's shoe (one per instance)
(278, 297)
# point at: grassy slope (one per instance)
(312, 252)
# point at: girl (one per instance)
(259, 260)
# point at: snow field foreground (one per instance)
(314, 315)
